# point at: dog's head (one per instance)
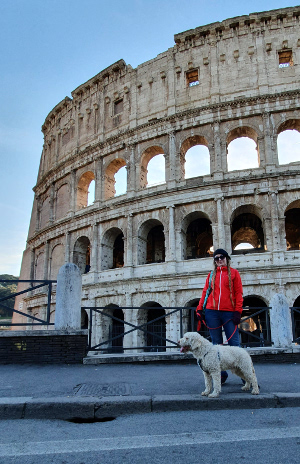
(189, 341)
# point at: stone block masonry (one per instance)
(42, 347)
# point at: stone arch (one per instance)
(83, 189)
(113, 328)
(57, 259)
(251, 158)
(151, 242)
(288, 141)
(247, 228)
(292, 225)
(82, 254)
(112, 244)
(153, 314)
(255, 324)
(146, 157)
(44, 211)
(186, 146)
(39, 266)
(62, 201)
(197, 236)
(109, 178)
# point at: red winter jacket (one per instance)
(222, 298)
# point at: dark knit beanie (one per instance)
(220, 251)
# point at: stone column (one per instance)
(129, 257)
(68, 298)
(221, 229)
(94, 254)
(73, 192)
(98, 180)
(274, 220)
(281, 322)
(67, 250)
(172, 245)
(172, 159)
(46, 262)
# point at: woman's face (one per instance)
(220, 260)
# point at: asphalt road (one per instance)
(264, 436)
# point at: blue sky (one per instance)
(50, 47)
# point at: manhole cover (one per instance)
(95, 389)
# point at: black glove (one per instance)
(236, 317)
(200, 315)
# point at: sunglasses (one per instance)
(221, 257)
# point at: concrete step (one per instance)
(260, 354)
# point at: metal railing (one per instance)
(259, 333)
(295, 315)
(34, 285)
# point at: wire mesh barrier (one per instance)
(295, 315)
(152, 334)
(35, 288)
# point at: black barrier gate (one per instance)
(34, 285)
(295, 314)
(257, 333)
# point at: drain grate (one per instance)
(95, 389)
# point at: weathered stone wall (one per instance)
(125, 117)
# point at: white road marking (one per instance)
(144, 441)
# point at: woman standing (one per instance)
(224, 304)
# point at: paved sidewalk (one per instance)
(106, 390)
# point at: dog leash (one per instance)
(214, 328)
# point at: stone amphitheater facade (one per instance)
(152, 245)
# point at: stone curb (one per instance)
(89, 408)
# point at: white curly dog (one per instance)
(214, 358)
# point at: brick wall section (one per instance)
(43, 347)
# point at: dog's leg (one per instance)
(216, 376)
(237, 371)
(208, 384)
(255, 387)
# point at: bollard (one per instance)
(281, 322)
(68, 298)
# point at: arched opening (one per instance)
(112, 245)
(199, 239)
(156, 245)
(194, 157)
(115, 184)
(118, 251)
(255, 323)
(296, 320)
(242, 149)
(247, 234)
(62, 201)
(156, 327)
(152, 167)
(288, 142)
(84, 182)
(84, 320)
(193, 321)
(81, 254)
(151, 242)
(117, 331)
(121, 181)
(292, 226)
(91, 193)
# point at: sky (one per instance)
(50, 47)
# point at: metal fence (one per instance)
(254, 328)
(295, 314)
(34, 285)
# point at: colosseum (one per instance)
(148, 247)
